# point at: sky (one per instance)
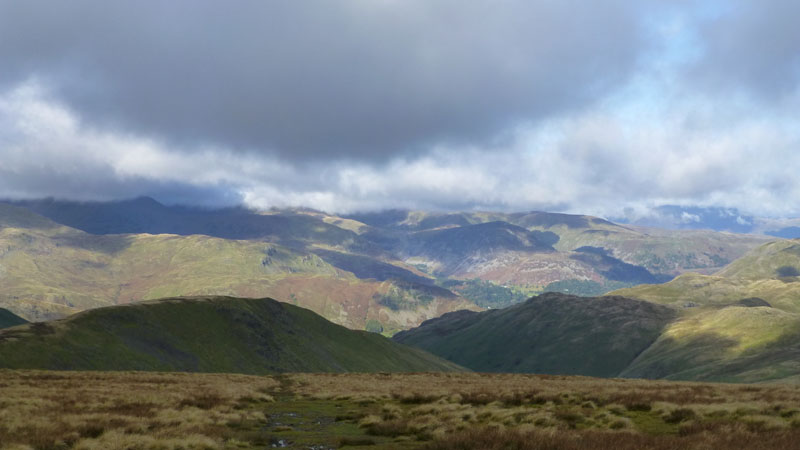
(612, 108)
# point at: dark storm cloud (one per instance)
(754, 46)
(588, 107)
(320, 79)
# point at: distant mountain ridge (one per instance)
(50, 271)
(714, 218)
(145, 215)
(380, 271)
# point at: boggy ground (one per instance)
(96, 410)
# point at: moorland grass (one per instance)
(135, 410)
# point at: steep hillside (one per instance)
(776, 260)
(452, 251)
(207, 334)
(741, 324)
(737, 343)
(742, 340)
(9, 319)
(770, 272)
(50, 271)
(552, 333)
(16, 217)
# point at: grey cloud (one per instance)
(320, 79)
(46, 183)
(754, 46)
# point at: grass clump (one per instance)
(680, 415)
(84, 410)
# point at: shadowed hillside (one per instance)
(145, 215)
(207, 334)
(552, 333)
(9, 319)
(740, 324)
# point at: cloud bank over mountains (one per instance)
(605, 108)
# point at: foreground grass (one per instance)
(93, 410)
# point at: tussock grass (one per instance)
(85, 410)
(49, 410)
(716, 438)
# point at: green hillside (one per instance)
(552, 333)
(767, 272)
(207, 334)
(775, 260)
(740, 324)
(737, 344)
(9, 319)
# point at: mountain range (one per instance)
(49, 271)
(687, 304)
(383, 272)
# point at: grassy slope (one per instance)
(552, 333)
(738, 344)
(741, 324)
(716, 338)
(754, 275)
(206, 334)
(51, 271)
(766, 261)
(9, 319)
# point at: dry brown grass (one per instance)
(727, 439)
(524, 388)
(513, 411)
(85, 410)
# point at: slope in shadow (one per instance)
(207, 334)
(552, 333)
